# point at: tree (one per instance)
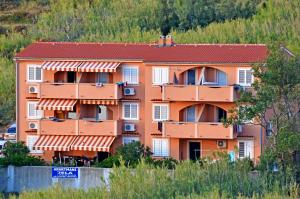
(275, 99)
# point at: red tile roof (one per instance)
(202, 53)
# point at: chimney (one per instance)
(169, 40)
(161, 41)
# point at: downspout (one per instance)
(261, 140)
(17, 100)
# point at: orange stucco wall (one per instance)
(146, 95)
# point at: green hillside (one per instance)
(189, 21)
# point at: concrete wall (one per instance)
(18, 179)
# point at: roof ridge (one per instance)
(147, 44)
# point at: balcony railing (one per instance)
(198, 93)
(92, 127)
(79, 127)
(58, 90)
(98, 91)
(204, 130)
(79, 91)
(60, 127)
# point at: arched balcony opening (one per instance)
(202, 113)
(202, 76)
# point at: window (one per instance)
(160, 75)
(127, 140)
(34, 73)
(130, 111)
(32, 112)
(160, 112)
(245, 77)
(246, 149)
(131, 74)
(31, 139)
(102, 78)
(160, 147)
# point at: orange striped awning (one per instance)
(94, 66)
(92, 143)
(54, 142)
(100, 102)
(61, 65)
(56, 104)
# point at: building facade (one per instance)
(86, 99)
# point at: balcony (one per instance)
(202, 130)
(79, 127)
(198, 93)
(58, 90)
(62, 127)
(92, 127)
(95, 91)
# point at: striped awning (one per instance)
(99, 102)
(61, 65)
(94, 66)
(54, 142)
(92, 143)
(56, 104)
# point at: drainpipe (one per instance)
(17, 99)
(261, 140)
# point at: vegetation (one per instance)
(132, 154)
(189, 21)
(221, 179)
(17, 154)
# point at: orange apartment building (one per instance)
(86, 99)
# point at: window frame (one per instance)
(153, 112)
(161, 150)
(37, 116)
(132, 139)
(245, 83)
(34, 66)
(123, 111)
(245, 152)
(30, 147)
(153, 75)
(137, 75)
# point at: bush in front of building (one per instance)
(17, 154)
(206, 179)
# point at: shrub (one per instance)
(17, 154)
(169, 163)
(109, 162)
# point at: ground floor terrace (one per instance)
(81, 152)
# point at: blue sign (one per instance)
(64, 172)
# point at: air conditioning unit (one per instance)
(129, 127)
(221, 144)
(33, 89)
(239, 128)
(33, 125)
(129, 91)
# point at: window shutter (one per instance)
(156, 76)
(134, 111)
(164, 75)
(134, 75)
(31, 109)
(38, 73)
(156, 147)
(126, 74)
(241, 149)
(241, 76)
(157, 112)
(127, 110)
(164, 148)
(30, 73)
(164, 112)
(249, 149)
(248, 76)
